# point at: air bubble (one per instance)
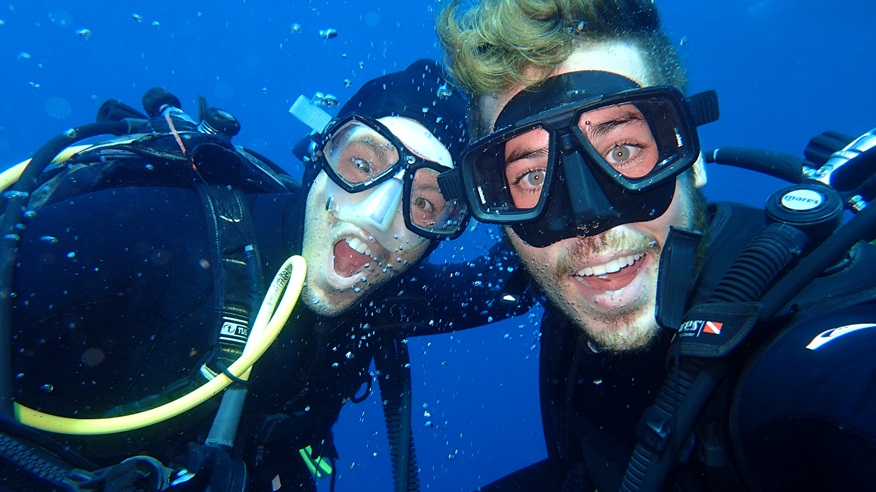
(444, 91)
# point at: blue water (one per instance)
(785, 70)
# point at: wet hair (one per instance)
(489, 45)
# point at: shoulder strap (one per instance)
(237, 273)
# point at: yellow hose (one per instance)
(270, 320)
(12, 174)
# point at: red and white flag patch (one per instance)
(713, 327)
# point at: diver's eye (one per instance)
(632, 160)
(423, 204)
(534, 179)
(620, 153)
(361, 164)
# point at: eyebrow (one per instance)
(367, 136)
(527, 151)
(428, 187)
(605, 127)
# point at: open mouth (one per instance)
(350, 256)
(612, 275)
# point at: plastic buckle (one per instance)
(654, 429)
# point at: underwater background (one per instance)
(785, 70)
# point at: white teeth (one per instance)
(358, 246)
(612, 266)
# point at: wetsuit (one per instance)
(792, 416)
(115, 310)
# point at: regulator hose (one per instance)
(393, 364)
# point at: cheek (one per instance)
(410, 260)
(316, 197)
(676, 215)
(536, 259)
(318, 224)
(403, 242)
(409, 247)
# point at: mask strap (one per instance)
(703, 107)
(310, 114)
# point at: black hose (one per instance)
(744, 282)
(393, 364)
(760, 264)
(16, 201)
(776, 164)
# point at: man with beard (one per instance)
(127, 295)
(586, 151)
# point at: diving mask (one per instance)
(581, 153)
(360, 153)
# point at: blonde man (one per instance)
(587, 152)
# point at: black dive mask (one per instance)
(581, 153)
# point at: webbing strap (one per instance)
(234, 265)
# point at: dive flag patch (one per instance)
(697, 327)
(713, 327)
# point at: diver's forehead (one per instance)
(418, 139)
(617, 56)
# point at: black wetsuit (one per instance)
(788, 418)
(115, 303)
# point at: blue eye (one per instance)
(534, 178)
(620, 153)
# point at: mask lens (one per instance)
(428, 208)
(359, 155)
(635, 142)
(507, 173)
(526, 163)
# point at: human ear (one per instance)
(699, 172)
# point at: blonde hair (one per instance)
(489, 46)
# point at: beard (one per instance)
(622, 331)
(628, 327)
(616, 317)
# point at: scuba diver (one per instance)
(136, 274)
(758, 372)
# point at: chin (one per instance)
(630, 340)
(622, 332)
(323, 304)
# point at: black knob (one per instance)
(157, 98)
(219, 121)
(811, 207)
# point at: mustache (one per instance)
(606, 243)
